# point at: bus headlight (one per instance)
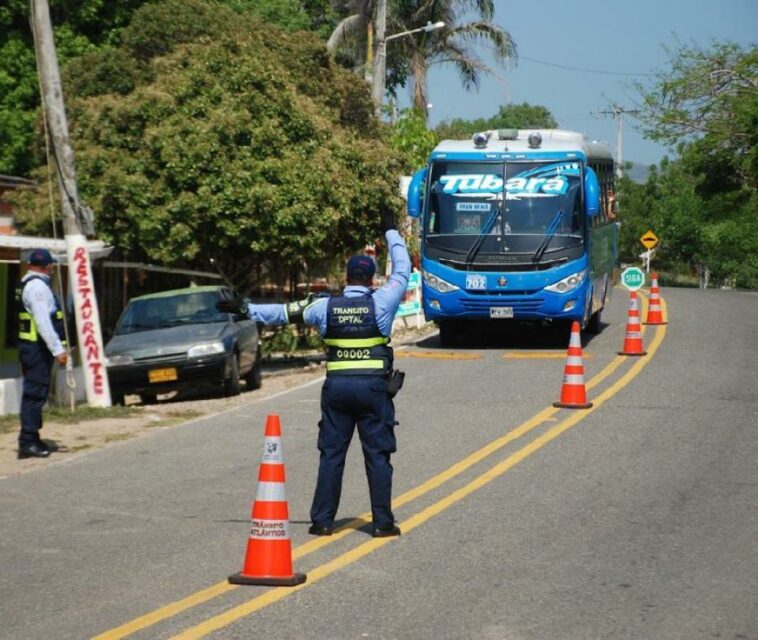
(568, 284)
(438, 284)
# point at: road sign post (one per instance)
(633, 278)
(649, 240)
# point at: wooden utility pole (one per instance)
(77, 220)
(380, 58)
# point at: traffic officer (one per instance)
(356, 327)
(41, 341)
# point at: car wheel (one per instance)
(232, 383)
(148, 398)
(254, 377)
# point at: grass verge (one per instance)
(10, 422)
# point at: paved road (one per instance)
(635, 519)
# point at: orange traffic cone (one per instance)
(268, 560)
(573, 393)
(633, 339)
(654, 311)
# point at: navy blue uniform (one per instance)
(356, 327)
(41, 337)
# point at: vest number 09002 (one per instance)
(353, 354)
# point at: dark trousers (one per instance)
(347, 401)
(36, 365)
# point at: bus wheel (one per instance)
(594, 324)
(449, 330)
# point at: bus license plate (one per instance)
(501, 312)
(161, 375)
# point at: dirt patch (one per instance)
(71, 439)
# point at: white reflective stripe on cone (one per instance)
(571, 378)
(271, 492)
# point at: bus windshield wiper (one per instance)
(549, 233)
(477, 244)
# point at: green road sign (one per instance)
(633, 278)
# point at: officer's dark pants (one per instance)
(36, 365)
(347, 400)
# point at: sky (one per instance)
(623, 39)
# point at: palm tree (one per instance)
(350, 36)
(410, 57)
(452, 45)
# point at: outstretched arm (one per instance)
(271, 314)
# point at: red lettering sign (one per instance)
(91, 346)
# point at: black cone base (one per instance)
(565, 405)
(289, 581)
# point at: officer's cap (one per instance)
(360, 267)
(41, 258)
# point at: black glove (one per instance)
(295, 309)
(234, 305)
(388, 219)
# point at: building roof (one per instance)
(56, 246)
(14, 182)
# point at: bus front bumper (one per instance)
(539, 305)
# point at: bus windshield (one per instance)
(532, 208)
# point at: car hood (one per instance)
(166, 340)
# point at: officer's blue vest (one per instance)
(354, 343)
(27, 326)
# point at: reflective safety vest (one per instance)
(27, 326)
(353, 340)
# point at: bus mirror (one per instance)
(591, 193)
(414, 193)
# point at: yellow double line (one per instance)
(314, 575)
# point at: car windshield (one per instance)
(169, 311)
(516, 204)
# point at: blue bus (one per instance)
(516, 224)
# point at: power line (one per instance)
(581, 69)
(585, 70)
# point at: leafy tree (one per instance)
(87, 27)
(706, 202)
(718, 233)
(243, 144)
(709, 95)
(79, 26)
(412, 139)
(509, 116)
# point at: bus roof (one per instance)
(505, 144)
